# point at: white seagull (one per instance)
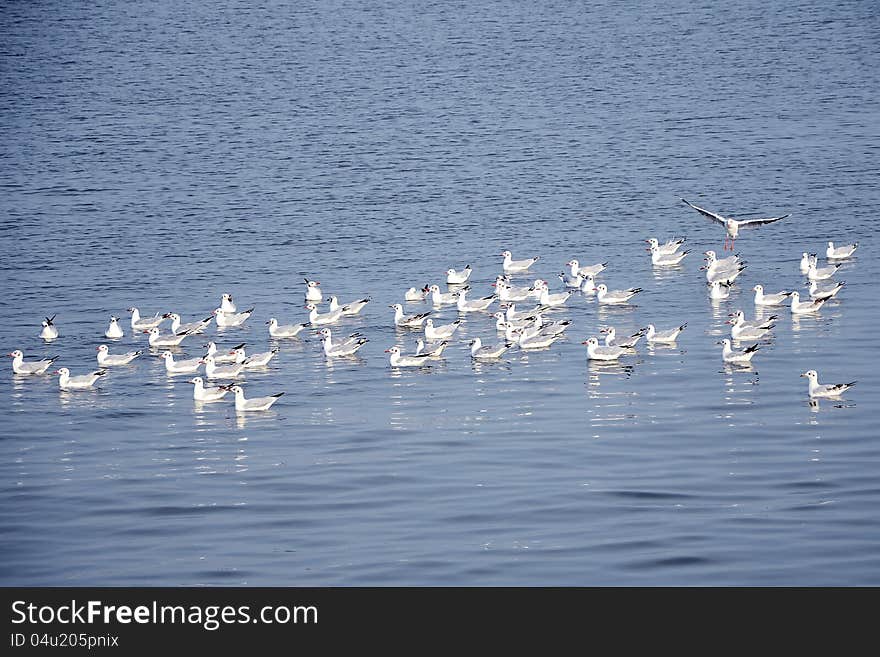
(741, 331)
(191, 327)
(231, 319)
(714, 264)
(277, 330)
(777, 299)
(815, 273)
(105, 359)
(227, 357)
(313, 291)
(665, 337)
(611, 339)
(254, 361)
(740, 317)
(718, 290)
(597, 352)
(825, 292)
(465, 306)
(743, 357)
(412, 294)
(159, 340)
(671, 246)
(506, 292)
(319, 319)
(82, 382)
(341, 348)
(33, 367)
(488, 352)
(615, 296)
(570, 281)
(398, 360)
(243, 405)
(439, 298)
(146, 323)
(407, 321)
(552, 300)
(512, 266)
(586, 270)
(589, 286)
(817, 389)
(806, 259)
(214, 371)
(189, 366)
(442, 332)
(536, 340)
(226, 304)
(840, 252)
(659, 259)
(726, 276)
(458, 277)
(210, 394)
(50, 331)
(732, 226)
(432, 349)
(114, 331)
(349, 309)
(799, 307)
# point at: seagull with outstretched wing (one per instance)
(732, 226)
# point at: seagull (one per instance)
(615, 296)
(227, 357)
(349, 309)
(799, 307)
(742, 331)
(254, 361)
(502, 323)
(145, 324)
(506, 292)
(726, 276)
(114, 331)
(540, 327)
(34, 367)
(536, 340)
(190, 328)
(806, 258)
(434, 333)
(432, 349)
(398, 360)
(815, 273)
(659, 259)
(729, 355)
(669, 248)
(255, 403)
(714, 264)
(286, 330)
(740, 317)
(341, 348)
(776, 299)
(552, 300)
(189, 366)
(407, 321)
(586, 270)
(570, 281)
(82, 382)
(319, 319)
(589, 286)
(439, 298)
(203, 394)
(824, 293)
(488, 352)
(666, 337)
(412, 294)
(597, 352)
(611, 339)
(226, 304)
(840, 252)
(50, 331)
(512, 315)
(215, 371)
(159, 340)
(718, 290)
(105, 359)
(511, 266)
(732, 226)
(458, 277)
(465, 306)
(231, 319)
(313, 291)
(817, 389)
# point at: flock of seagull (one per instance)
(524, 328)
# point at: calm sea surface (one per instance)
(160, 154)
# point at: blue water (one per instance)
(159, 154)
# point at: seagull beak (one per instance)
(387, 351)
